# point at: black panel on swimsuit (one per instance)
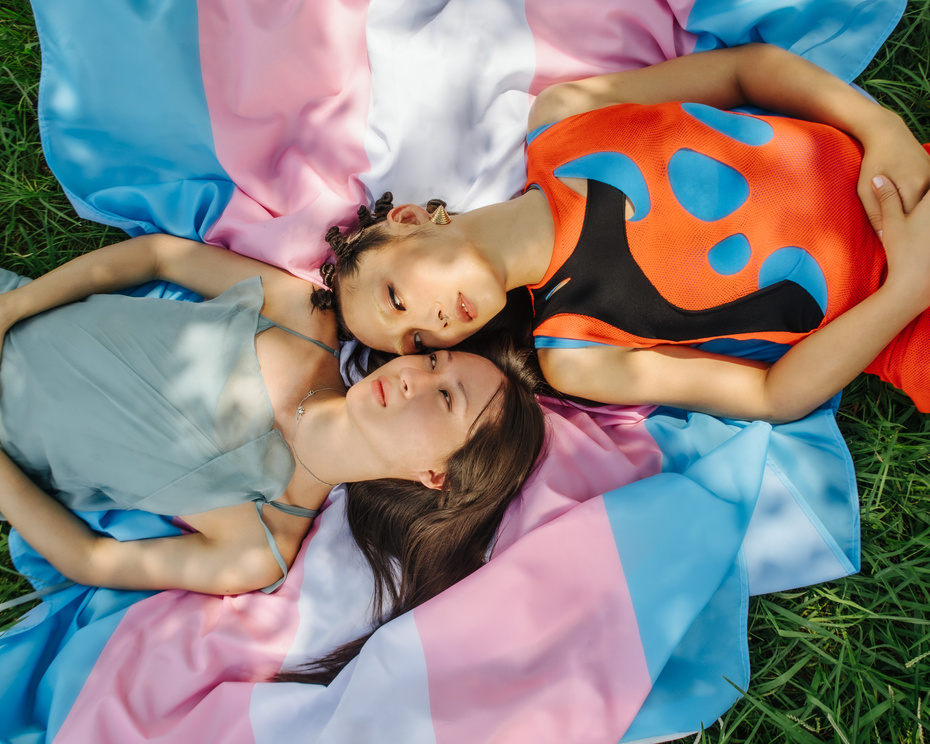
(608, 285)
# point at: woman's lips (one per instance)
(379, 391)
(464, 309)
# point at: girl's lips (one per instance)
(379, 391)
(464, 309)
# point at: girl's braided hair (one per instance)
(348, 248)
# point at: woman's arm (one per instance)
(194, 562)
(808, 374)
(770, 78)
(205, 269)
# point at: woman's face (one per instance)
(417, 410)
(428, 291)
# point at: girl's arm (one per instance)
(770, 78)
(194, 562)
(205, 269)
(808, 374)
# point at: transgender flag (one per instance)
(613, 607)
(258, 124)
(599, 618)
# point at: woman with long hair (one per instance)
(649, 227)
(232, 414)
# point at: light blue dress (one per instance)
(120, 402)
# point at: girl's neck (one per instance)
(516, 236)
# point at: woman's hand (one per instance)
(906, 237)
(891, 150)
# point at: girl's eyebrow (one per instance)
(384, 316)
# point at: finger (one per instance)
(889, 201)
(870, 203)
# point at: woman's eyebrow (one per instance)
(460, 386)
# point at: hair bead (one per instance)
(323, 299)
(328, 271)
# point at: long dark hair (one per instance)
(420, 541)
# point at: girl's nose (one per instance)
(437, 318)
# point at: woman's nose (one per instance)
(413, 380)
(418, 378)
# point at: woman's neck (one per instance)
(323, 443)
(516, 236)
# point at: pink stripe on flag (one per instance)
(181, 666)
(530, 664)
(590, 451)
(590, 37)
(288, 88)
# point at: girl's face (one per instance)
(417, 410)
(429, 291)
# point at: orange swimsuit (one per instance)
(745, 227)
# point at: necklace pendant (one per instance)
(300, 413)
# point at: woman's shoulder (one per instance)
(287, 302)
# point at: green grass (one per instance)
(845, 662)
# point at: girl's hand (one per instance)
(891, 150)
(906, 237)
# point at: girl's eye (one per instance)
(432, 361)
(395, 300)
(417, 343)
(445, 394)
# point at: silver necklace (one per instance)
(300, 413)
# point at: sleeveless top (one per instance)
(145, 403)
(744, 227)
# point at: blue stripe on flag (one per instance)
(687, 582)
(136, 67)
(840, 35)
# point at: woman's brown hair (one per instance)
(420, 541)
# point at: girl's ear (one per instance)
(432, 479)
(408, 214)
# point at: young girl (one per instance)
(216, 410)
(652, 226)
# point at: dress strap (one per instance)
(279, 559)
(37, 594)
(297, 511)
(294, 511)
(269, 322)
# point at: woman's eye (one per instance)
(445, 394)
(417, 342)
(395, 300)
(432, 361)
